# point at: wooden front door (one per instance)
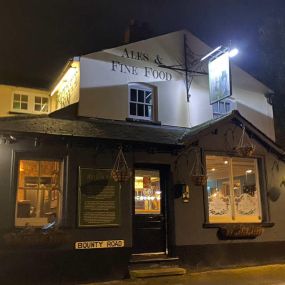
(149, 211)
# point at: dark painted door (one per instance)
(149, 211)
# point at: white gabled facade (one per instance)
(105, 78)
(103, 83)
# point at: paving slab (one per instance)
(256, 275)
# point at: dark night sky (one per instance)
(38, 36)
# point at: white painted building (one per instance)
(110, 77)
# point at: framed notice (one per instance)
(98, 198)
(219, 78)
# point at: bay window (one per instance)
(233, 190)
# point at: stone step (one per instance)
(152, 261)
(156, 272)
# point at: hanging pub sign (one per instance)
(98, 198)
(219, 78)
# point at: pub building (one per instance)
(134, 164)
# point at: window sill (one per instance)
(142, 121)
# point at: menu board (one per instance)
(98, 198)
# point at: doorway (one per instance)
(149, 223)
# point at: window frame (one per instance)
(31, 103)
(264, 205)
(144, 87)
(232, 106)
(40, 156)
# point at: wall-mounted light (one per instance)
(67, 77)
(233, 52)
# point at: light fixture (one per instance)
(226, 162)
(210, 53)
(70, 73)
(213, 169)
(233, 52)
(248, 171)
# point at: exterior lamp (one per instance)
(233, 52)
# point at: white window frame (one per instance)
(234, 217)
(31, 102)
(143, 88)
(227, 101)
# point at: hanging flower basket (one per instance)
(196, 174)
(120, 171)
(36, 239)
(245, 148)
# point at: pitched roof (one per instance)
(92, 128)
(60, 124)
(234, 117)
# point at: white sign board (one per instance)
(99, 244)
(219, 78)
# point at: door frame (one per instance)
(165, 181)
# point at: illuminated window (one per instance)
(233, 190)
(141, 102)
(24, 102)
(20, 102)
(223, 107)
(39, 192)
(41, 104)
(147, 192)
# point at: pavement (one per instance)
(255, 275)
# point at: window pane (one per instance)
(44, 100)
(148, 111)
(148, 97)
(134, 95)
(24, 106)
(147, 192)
(37, 107)
(246, 190)
(24, 98)
(140, 110)
(38, 100)
(38, 192)
(16, 105)
(17, 97)
(133, 111)
(45, 108)
(222, 107)
(218, 188)
(227, 107)
(141, 96)
(216, 107)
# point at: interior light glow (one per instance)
(248, 171)
(65, 79)
(213, 169)
(233, 52)
(226, 162)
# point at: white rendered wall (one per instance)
(104, 79)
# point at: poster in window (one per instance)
(219, 78)
(98, 198)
